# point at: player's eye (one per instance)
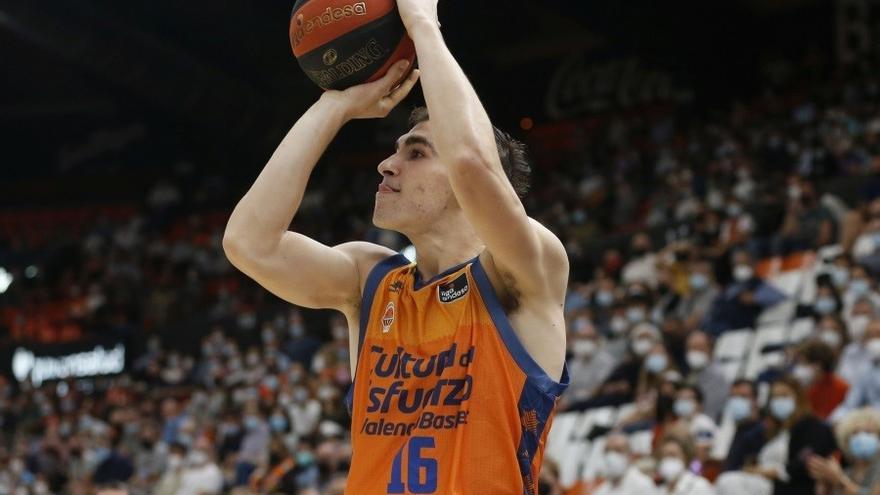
(414, 154)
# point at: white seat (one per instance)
(734, 344)
(559, 434)
(640, 442)
(788, 282)
(782, 312)
(594, 462)
(760, 357)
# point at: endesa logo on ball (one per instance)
(305, 26)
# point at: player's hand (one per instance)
(412, 12)
(378, 98)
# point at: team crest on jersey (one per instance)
(454, 290)
(388, 317)
(396, 287)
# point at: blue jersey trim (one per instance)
(419, 283)
(525, 361)
(373, 279)
(534, 409)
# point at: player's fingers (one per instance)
(405, 87)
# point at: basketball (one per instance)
(342, 43)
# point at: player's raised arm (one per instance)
(257, 241)
(464, 141)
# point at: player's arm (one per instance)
(289, 264)
(465, 142)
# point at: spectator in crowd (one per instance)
(792, 434)
(866, 248)
(814, 369)
(743, 300)
(706, 374)
(832, 331)
(642, 267)
(674, 455)
(702, 290)
(749, 437)
(862, 287)
(201, 475)
(622, 477)
(858, 435)
(112, 488)
(865, 392)
(808, 224)
(589, 364)
(856, 360)
(171, 481)
(688, 410)
(828, 300)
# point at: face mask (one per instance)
(174, 461)
(197, 458)
(635, 314)
(831, 338)
(278, 424)
(655, 363)
(697, 360)
(873, 348)
(864, 445)
(671, 468)
(584, 348)
(699, 281)
(304, 458)
(782, 407)
(734, 209)
(684, 408)
(642, 346)
(742, 273)
(859, 287)
(825, 305)
(615, 464)
(251, 422)
(857, 326)
(840, 277)
(604, 298)
(619, 325)
(739, 408)
(804, 374)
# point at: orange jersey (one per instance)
(445, 398)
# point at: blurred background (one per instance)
(712, 169)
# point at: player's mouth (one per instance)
(385, 188)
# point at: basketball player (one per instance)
(458, 359)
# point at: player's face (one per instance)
(415, 190)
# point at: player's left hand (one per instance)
(414, 12)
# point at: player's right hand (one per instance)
(378, 98)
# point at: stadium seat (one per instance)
(769, 342)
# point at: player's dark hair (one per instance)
(514, 155)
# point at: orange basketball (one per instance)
(341, 43)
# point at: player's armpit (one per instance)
(307, 273)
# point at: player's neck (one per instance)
(444, 244)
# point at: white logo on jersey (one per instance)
(388, 317)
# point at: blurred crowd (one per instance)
(230, 390)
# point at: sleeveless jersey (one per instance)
(445, 398)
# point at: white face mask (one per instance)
(804, 374)
(857, 326)
(615, 465)
(197, 458)
(697, 360)
(584, 348)
(642, 346)
(174, 461)
(619, 325)
(742, 272)
(831, 338)
(670, 468)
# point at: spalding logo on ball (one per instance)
(344, 43)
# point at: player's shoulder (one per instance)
(365, 254)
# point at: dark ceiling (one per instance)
(218, 76)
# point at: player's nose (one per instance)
(388, 166)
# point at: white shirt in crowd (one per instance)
(196, 480)
(633, 482)
(688, 484)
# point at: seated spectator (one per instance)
(202, 475)
(866, 248)
(832, 330)
(828, 300)
(589, 364)
(706, 374)
(749, 436)
(808, 224)
(856, 361)
(702, 291)
(689, 416)
(674, 455)
(170, 482)
(740, 304)
(814, 368)
(858, 435)
(621, 476)
(650, 398)
(865, 392)
(861, 286)
(781, 464)
(642, 266)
